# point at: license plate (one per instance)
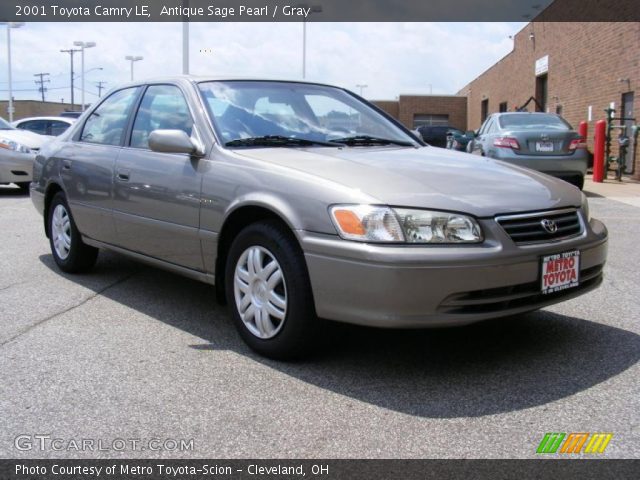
(560, 271)
(544, 146)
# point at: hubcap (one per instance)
(260, 292)
(61, 231)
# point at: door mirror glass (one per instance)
(173, 141)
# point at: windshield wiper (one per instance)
(368, 140)
(277, 141)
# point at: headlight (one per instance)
(379, 224)
(14, 146)
(585, 207)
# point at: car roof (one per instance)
(62, 119)
(213, 78)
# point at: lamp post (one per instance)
(10, 25)
(133, 59)
(361, 87)
(83, 46)
(314, 9)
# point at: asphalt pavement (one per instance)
(133, 353)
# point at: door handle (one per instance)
(66, 164)
(123, 175)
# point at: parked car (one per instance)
(241, 184)
(436, 135)
(17, 151)
(71, 114)
(459, 140)
(541, 141)
(51, 126)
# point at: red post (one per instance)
(598, 151)
(583, 129)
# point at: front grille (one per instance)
(528, 228)
(516, 296)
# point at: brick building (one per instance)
(574, 69)
(34, 108)
(416, 110)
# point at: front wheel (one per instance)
(70, 253)
(269, 293)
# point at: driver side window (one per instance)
(163, 107)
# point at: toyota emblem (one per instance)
(549, 225)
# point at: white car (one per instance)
(52, 126)
(18, 149)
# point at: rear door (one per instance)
(157, 195)
(87, 164)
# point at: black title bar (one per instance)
(318, 10)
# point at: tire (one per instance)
(579, 182)
(283, 323)
(70, 253)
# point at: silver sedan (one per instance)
(301, 202)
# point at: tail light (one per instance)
(506, 142)
(577, 143)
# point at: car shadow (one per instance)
(487, 368)
(12, 191)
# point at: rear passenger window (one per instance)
(163, 107)
(57, 127)
(107, 123)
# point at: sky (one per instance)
(390, 58)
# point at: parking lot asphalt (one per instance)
(132, 352)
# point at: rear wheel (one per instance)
(70, 253)
(579, 182)
(269, 293)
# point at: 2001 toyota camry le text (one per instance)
(303, 202)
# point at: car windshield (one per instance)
(533, 121)
(263, 113)
(4, 125)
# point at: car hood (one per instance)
(427, 177)
(26, 138)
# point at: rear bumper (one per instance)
(406, 286)
(562, 166)
(16, 167)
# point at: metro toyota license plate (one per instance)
(560, 271)
(544, 146)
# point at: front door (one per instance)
(157, 195)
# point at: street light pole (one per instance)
(10, 25)
(71, 51)
(83, 46)
(314, 9)
(132, 59)
(361, 87)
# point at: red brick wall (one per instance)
(407, 106)
(586, 63)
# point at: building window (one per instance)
(503, 107)
(559, 109)
(429, 119)
(484, 109)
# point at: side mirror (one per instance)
(174, 141)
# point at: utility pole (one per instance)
(101, 86)
(41, 82)
(71, 51)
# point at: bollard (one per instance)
(583, 129)
(598, 151)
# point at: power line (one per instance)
(41, 82)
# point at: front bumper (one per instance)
(16, 167)
(418, 286)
